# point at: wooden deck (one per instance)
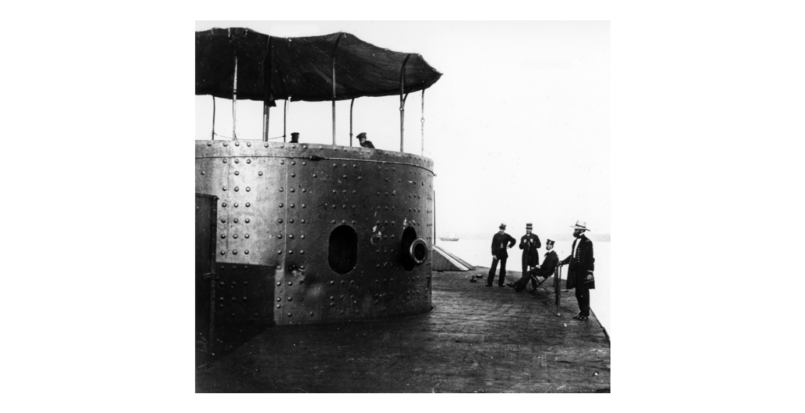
(476, 339)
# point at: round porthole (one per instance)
(413, 250)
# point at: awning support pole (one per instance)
(334, 49)
(266, 113)
(350, 121)
(423, 122)
(285, 120)
(402, 100)
(267, 89)
(213, 118)
(235, 100)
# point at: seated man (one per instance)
(545, 270)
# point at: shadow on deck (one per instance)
(476, 339)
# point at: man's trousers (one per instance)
(583, 297)
(502, 276)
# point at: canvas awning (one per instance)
(302, 67)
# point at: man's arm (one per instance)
(512, 241)
(523, 240)
(539, 244)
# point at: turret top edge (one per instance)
(247, 147)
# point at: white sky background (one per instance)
(641, 128)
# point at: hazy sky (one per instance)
(518, 125)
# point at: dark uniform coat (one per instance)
(581, 264)
(529, 244)
(499, 242)
(547, 268)
(367, 144)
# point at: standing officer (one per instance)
(499, 253)
(580, 273)
(529, 244)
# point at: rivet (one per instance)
(223, 204)
(333, 221)
(235, 236)
(302, 252)
(293, 175)
(247, 251)
(304, 190)
(290, 252)
(343, 221)
(260, 173)
(334, 165)
(290, 298)
(202, 172)
(223, 236)
(334, 191)
(281, 189)
(344, 206)
(209, 143)
(279, 236)
(303, 221)
(236, 205)
(314, 175)
(292, 205)
(223, 188)
(281, 205)
(344, 165)
(246, 236)
(353, 222)
(224, 160)
(332, 282)
(290, 282)
(237, 160)
(223, 252)
(237, 189)
(279, 220)
(311, 313)
(282, 162)
(334, 205)
(278, 284)
(353, 165)
(303, 237)
(248, 204)
(332, 304)
(291, 220)
(359, 178)
(279, 251)
(249, 189)
(223, 219)
(234, 252)
(293, 190)
(265, 144)
(248, 160)
(289, 314)
(344, 191)
(293, 162)
(278, 306)
(290, 236)
(303, 205)
(226, 143)
(237, 173)
(235, 220)
(237, 143)
(304, 163)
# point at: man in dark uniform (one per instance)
(365, 143)
(529, 244)
(545, 270)
(580, 273)
(294, 137)
(499, 253)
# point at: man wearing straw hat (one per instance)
(529, 243)
(582, 265)
(499, 253)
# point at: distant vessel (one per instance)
(449, 237)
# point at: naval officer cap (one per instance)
(528, 226)
(549, 242)
(502, 226)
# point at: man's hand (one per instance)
(589, 277)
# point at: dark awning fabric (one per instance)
(301, 67)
